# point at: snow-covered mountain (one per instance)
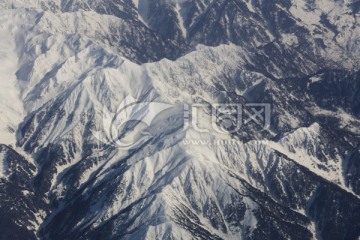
(67, 66)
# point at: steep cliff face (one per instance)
(68, 69)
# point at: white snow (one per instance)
(179, 12)
(11, 107)
(315, 79)
(88, 75)
(2, 165)
(346, 121)
(290, 39)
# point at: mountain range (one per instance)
(68, 66)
